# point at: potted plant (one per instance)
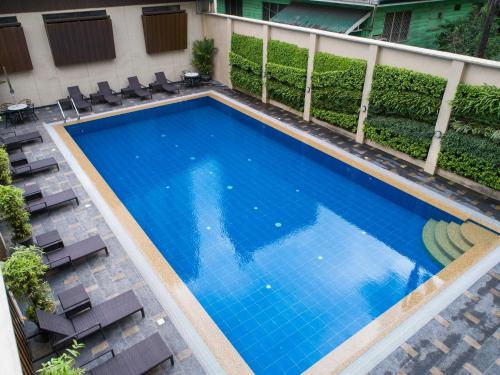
(13, 212)
(24, 275)
(5, 177)
(63, 364)
(203, 53)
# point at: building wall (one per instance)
(46, 83)
(251, 8)
(425, 20)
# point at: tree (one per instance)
(463, 35)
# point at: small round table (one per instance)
(191, 77)
(19, 108)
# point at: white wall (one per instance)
(46, 83)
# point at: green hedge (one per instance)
(337, 88)
(405, 93)
(470, 156)
(286, 73)
(245, 58)
(477, 105)
(406, 135)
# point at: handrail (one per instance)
(76, 109)
(62, 112)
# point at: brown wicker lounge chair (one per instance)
(162, 83)
(108, 95)
(136, 360)
(34, 167)
(16, 141)
(80, 100)
(63, 330)
(137, 89)
(64, 255)
(52, 201)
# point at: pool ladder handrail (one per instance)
(60, 109)
(76, 109)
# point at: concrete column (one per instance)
(265, 41)
(229, 34)
(454, 77)
(367, 87)
(313, 41)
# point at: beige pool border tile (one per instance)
(219, 345)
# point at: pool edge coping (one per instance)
(224, 352)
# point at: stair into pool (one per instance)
(446, 241)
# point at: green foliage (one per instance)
(340, 119)
(287, 54)
(245, 58)
(64, 363)
(5, 178)
(24, 273)
(405, 135)
(248, 47)
(462, 35)
(471, 156)
(477, 105)
(203, 53)
(405, 93)
(337, 88)
(12, 210)
(286, 73)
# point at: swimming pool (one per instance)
(289, 251)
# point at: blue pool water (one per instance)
(290, 251)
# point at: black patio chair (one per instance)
(108, 95)
(137, 89)
(49, 202)
(80, 100)
(162, 83)
(34, 167)
(16, 141)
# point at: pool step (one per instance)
(447, 241)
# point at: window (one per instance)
(234, 7)
(165, 28)
(457, 7)
(269, 10)
(396, 26)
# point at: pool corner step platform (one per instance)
(447, 241)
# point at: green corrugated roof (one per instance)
(323, 17)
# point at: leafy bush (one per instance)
(405, 93)
(64, 363)
(203, 53)
(405, 135)
(337, 89)
(12, 210)
(471, 156)
(5, 178)
(477, 105)
(245, 58)
(342, 120)
(286, 73)
(24, 273)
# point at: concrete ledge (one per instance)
(473, 185)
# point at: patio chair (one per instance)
(51, 201)
(136, 360)
(17, 157)
(80, 100)
(34, 167)
(64, 330)
(109, 96)
(30, 110)
(162, 83)
(137, 89)
(65, 255)
(16, 141)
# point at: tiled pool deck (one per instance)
(104, 277)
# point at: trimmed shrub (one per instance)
(471, 156)
(405, 135)
(245, 58)
(337, 88)
(405, 93)
(286, 73)
(5, 177)
(477, 105)
(12, 210)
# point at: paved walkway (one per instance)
(471, 320)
